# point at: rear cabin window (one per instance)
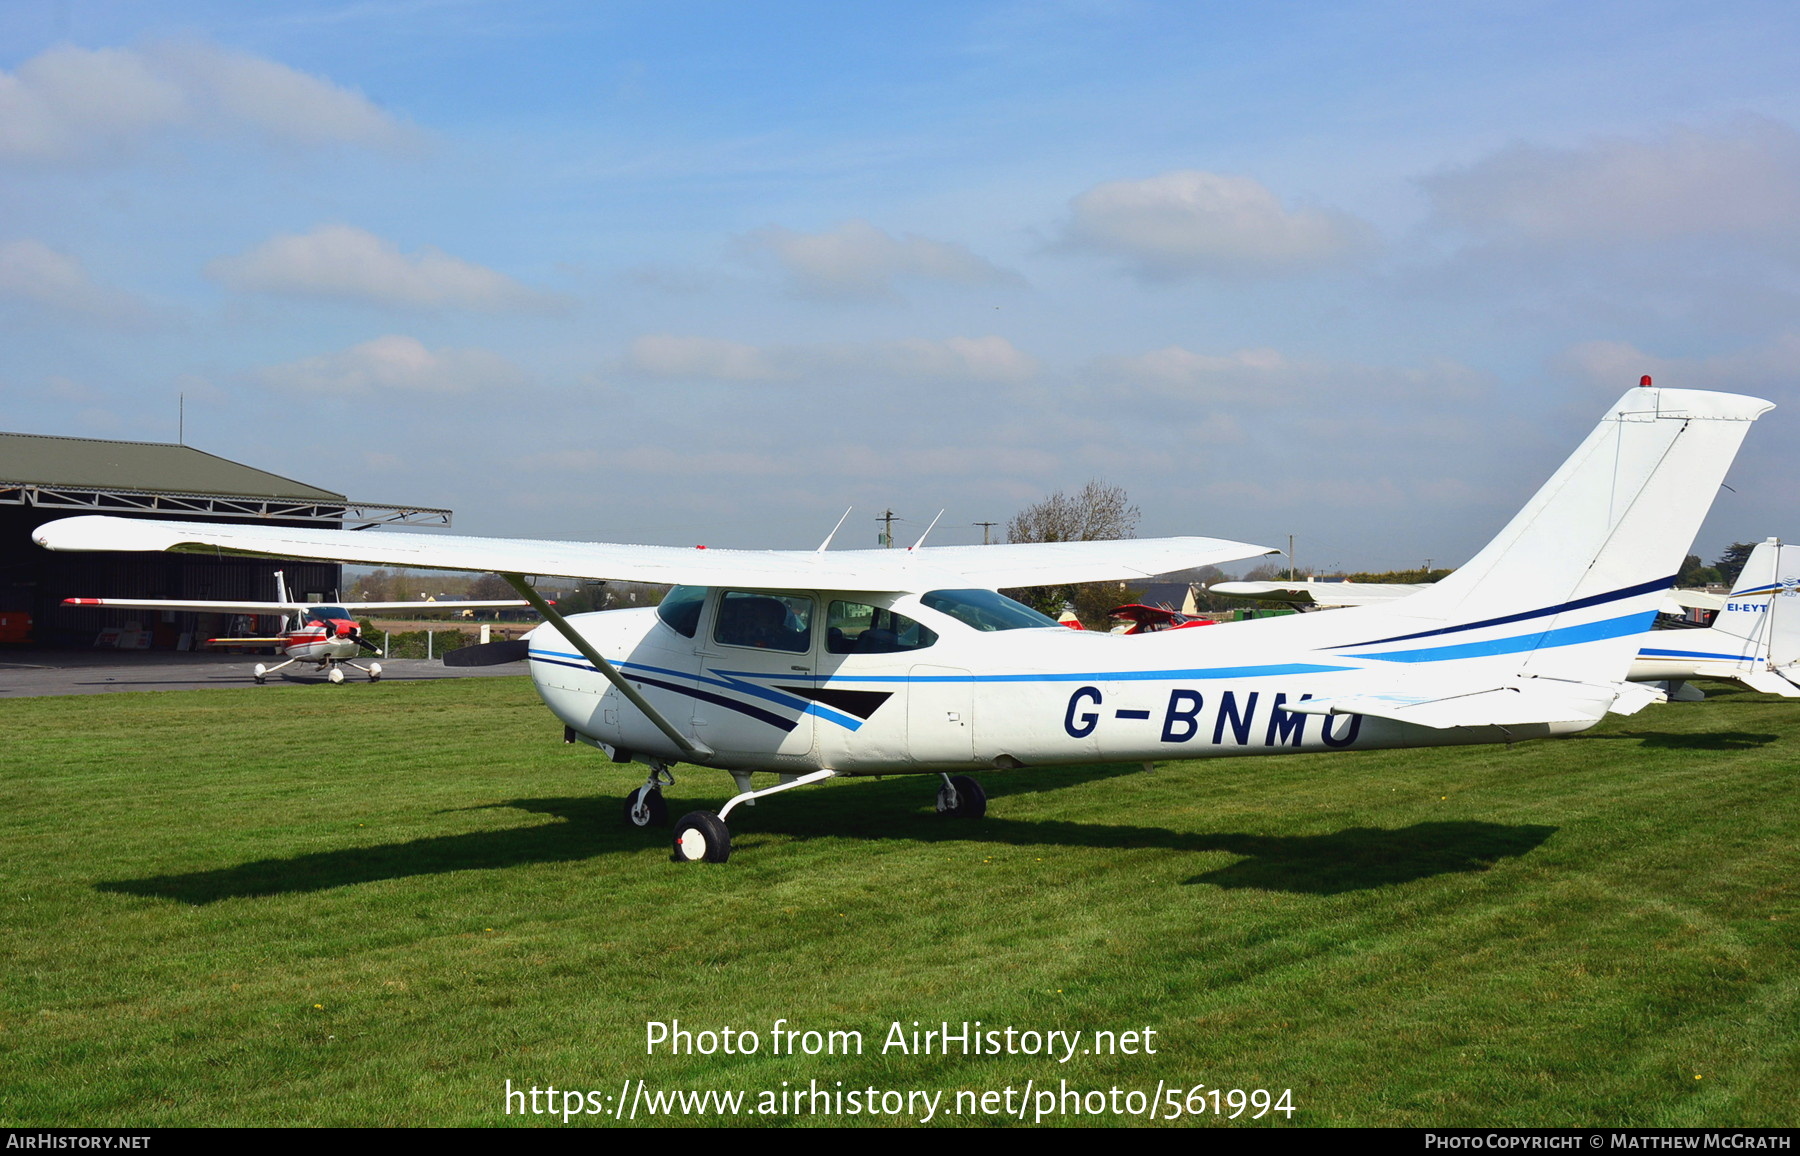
(765, 621)
(986, 610)
(855, 628)
(680, 609)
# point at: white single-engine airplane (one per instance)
(1754, 639)
(881, 662)
(328, 636)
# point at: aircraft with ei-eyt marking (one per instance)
(1753, 639)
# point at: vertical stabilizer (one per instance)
(1578, 574)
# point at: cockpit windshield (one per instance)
(326, 613)
(986, 610)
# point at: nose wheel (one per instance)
(645, 807)
(961, 798)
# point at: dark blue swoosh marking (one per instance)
(1577, 604)
(638, 669)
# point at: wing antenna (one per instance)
(835, 529)
(927, 533)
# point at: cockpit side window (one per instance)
(986, 610)
(680, 609)
(856, 628)
(765, 621)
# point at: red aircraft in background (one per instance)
(328, 636)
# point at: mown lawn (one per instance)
(378, 904)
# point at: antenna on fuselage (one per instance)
(835, 529)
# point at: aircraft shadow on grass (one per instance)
(1349, 860)
(1717, 741)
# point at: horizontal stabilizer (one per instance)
(1524, 702)
(1768, 682)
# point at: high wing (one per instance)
(909, 571)
(297, 608)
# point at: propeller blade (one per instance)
(367, 645)
(489, 654)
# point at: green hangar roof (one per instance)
(156, 478)
(157, 467)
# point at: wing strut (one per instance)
(688, 746)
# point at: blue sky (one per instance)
(709, 272)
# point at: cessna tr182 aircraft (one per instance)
(328, 636)
(1754, 639)
(882, 662)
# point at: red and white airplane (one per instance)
(327, 637)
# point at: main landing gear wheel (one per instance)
(645, 807)
(701, 835)
(374, 672)
(260, 674)
(962, 798)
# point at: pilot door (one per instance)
(756, 674)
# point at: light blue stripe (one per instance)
(1543, 640)
(1271, 671)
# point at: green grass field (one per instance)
(375, 905)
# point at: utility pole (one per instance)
(886, 518)
(985, 527)
(1290, 558)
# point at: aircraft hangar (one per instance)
(43, 478)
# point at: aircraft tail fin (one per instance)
(1566, 588)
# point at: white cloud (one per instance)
(1198, 223)
(671, 355)
(32, 271)
(981, 359)
(1742, 182)
(1264, 377)
(77, 103)
(346, 262)
(857, 260)
(253, 92)
(395, 364)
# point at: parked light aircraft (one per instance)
(328, 636)
(1753, 640)
(818, 664)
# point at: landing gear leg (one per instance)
(702, 835)
(261, 672)
(645, 807)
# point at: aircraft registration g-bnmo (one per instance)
(812, 664)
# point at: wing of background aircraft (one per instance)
(910, 571)
(1301, 593)
(296, 608)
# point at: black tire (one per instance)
(701, 835)
(655, 812)
(971, 800)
